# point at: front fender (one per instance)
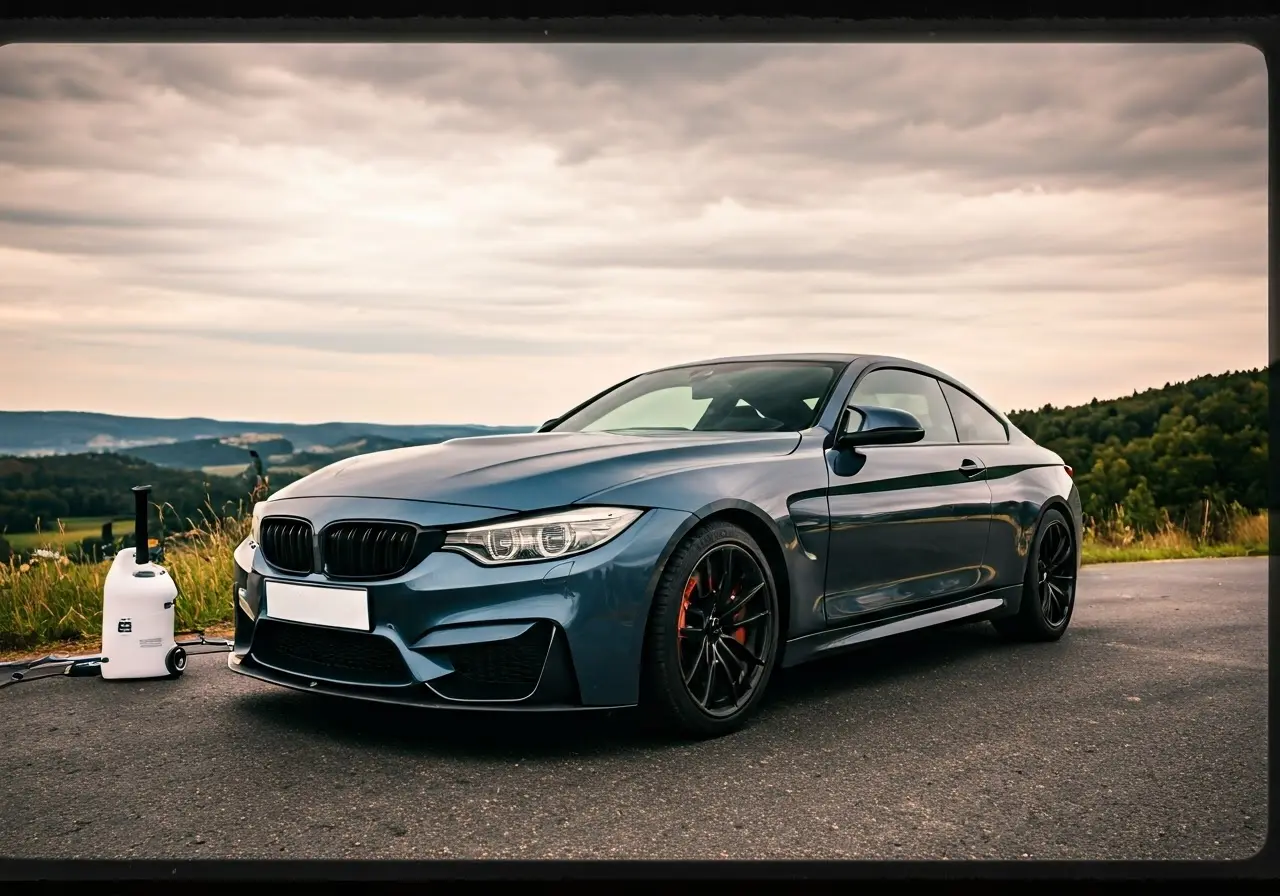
(780, 495)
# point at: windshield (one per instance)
(742, 396)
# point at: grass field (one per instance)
(1248, 536)
(69, 531)
(58, 602)
(230, 471)
(1094, 553)
(58, 605)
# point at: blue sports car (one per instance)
(668, 543)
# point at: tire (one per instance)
(688, 591)
(176, 662)
(1042, 618)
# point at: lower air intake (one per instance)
(353, 657)
(497, 670)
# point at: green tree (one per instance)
(1140, 508)
(1180, 448)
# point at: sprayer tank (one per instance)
(137, 618)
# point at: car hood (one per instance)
(528, 471)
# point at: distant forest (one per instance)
(1170, 453)
(1180, 453)
(46, 489)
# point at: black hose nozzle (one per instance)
(141, 553)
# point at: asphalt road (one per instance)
(1142, 734)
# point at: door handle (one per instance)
(971, 467)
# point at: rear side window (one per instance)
(974, 423)
(912, 392)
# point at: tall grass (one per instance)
(1233, 532)
(43, 602)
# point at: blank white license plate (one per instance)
(318, 605)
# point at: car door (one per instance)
(1013, 486)
(908, 523)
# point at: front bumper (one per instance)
(553, 635)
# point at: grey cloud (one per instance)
(920, 258)
(48, 79)
(1086, 282)
(347, 342)
(118, 72)
(385, 342)
(872, 316)
(652, 65)
(139, 245)
(221, 171)
(120, 220)
(925, 112)
(922, 106)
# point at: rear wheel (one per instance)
(712, 637)
(1049, 589)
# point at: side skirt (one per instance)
(847, 637)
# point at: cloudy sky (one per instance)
(490, 233)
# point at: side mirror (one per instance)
(872, 425)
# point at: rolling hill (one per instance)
(201, 454)
(47, 490)
(71, 432)
(230, 456)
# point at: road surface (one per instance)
(1142, 734)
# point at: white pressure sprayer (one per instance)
(138, 618)
(138, 610)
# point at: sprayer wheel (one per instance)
(176, 662)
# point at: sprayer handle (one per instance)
(141, 553)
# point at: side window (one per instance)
(915, 393)
(974, 423)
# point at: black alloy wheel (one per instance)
(1056, 574)
(1049, 588)
(724, 628)
(713, 633)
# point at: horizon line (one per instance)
(259, 422)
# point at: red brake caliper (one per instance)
(684, 604)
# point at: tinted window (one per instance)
(915, 393)
(974, 423)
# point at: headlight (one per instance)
(561, 534)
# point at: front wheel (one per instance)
(712, 636)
